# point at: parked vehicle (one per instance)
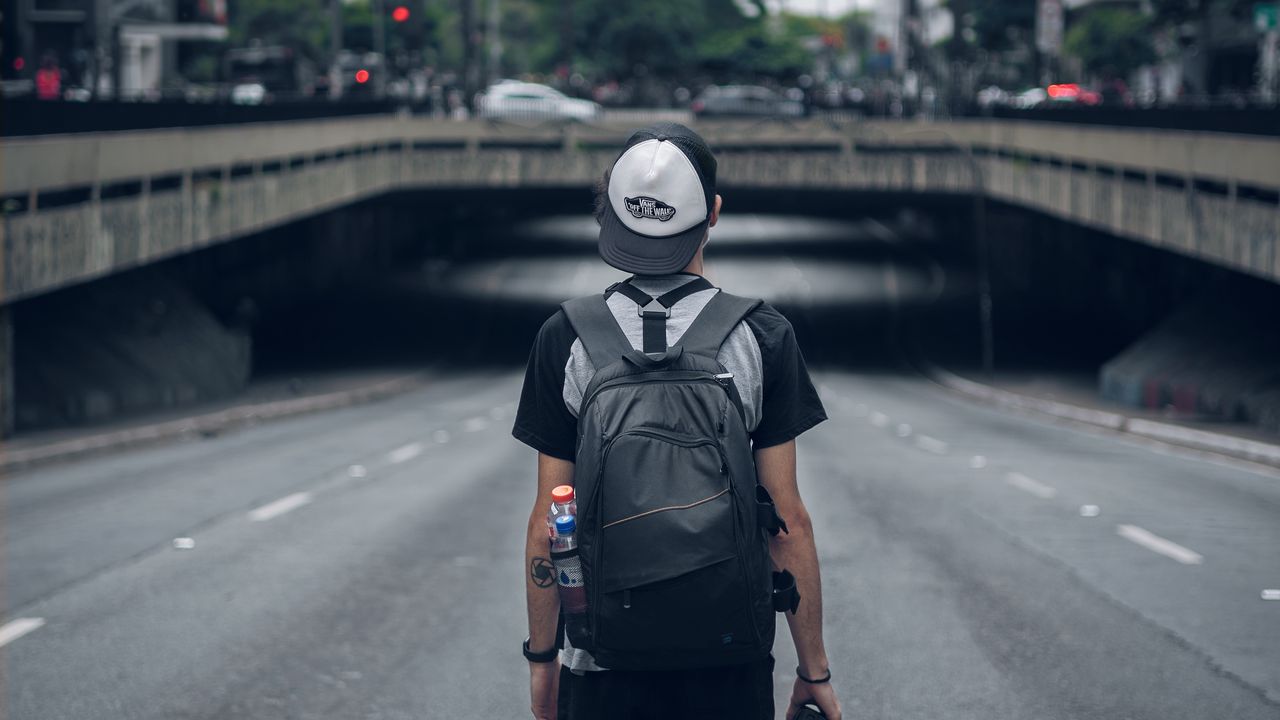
(744, 101)
(514, 100)
(260, 74)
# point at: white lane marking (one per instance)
(475, 424)
(18, 627)
(357, 471)
(1271, 594)
(440, 436)
(1090, 511)
(1157, 544)
(279, 507)
(184, 543)
(1026, 484)
(879, 419)
(977, 462)
(405, 454)
(932, 445)
(904, 430)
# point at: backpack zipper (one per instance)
(721, 380)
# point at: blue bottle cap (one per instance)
(565, 525)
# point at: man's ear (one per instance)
(715, 212)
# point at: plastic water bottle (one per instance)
(562, 504)
(564, 555)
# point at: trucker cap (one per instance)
(660, 195)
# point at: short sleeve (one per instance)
(789, 404)
(543, 422)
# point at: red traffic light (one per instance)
(400, 14)
(362, 76)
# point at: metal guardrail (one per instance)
(26, 116)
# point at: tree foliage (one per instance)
(671, 40)
(1111, 42)
(990, 25)
(300, 24)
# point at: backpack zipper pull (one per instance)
(724, 378)
(626, 599)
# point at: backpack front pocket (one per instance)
(669, 573)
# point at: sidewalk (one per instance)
(266, 399)
(1075, 398)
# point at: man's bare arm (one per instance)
(795, 551)
(540, 578)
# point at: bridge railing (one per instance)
(82, 206)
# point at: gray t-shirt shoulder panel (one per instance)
(739, 354)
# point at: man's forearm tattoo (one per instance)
(542, 572)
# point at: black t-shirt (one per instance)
(789, 403)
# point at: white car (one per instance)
(512, 100)
(250, 93)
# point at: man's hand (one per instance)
(544, 689)
(822, 695)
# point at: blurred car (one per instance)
(1030, 98)
(1072, 94)
(993, 96)
(744, 101)
(250, 93)
(514, 100)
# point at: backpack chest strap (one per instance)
(654, 312)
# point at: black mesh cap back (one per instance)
(688, 141)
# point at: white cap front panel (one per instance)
(655, 190)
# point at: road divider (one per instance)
(1219, 443)
(1159, 545)
(405, 453)
(1030, 485)
(279, 507)
(18, 627)
(931, 445)
(204, 425)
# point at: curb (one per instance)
(1230, 445)
(206, 424)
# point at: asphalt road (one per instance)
(367, 563)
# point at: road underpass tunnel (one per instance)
(460, 279)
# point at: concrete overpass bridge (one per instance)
(79, 207)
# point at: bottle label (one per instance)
(573, 593)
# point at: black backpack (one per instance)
(671, 519)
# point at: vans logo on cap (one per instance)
(647, 207)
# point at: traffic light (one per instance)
(400, 13)
(362, 76)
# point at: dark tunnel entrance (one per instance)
(463, 279)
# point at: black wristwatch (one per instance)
(545, 656)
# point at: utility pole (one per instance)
(380, 49)
(335, 49)
(566, 36)
(468, 54)
(495, 42)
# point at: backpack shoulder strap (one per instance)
(720, 316)
(596, 327)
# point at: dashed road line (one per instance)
(932, 445)
(279, 507)
(1030, 485)
(1157, 544)
(475, 424)
(879, 419)
(404, 454)
(18, 627)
